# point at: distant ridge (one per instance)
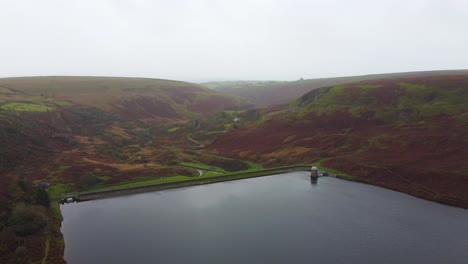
(267, 93)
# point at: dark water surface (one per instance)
(277, 219)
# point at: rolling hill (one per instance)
(75, 133)
(80, 133)
(268, 93)
(58, 129)
(154, 99)
(407, 134)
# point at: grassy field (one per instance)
(213, 172)
(59, 189)
(206, 178)
(203, 166)
(199, 165)
(139, 183)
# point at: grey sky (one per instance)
(242, 39)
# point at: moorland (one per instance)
(405, 132)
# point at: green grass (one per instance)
(55, 207)
(327, 103)
(173, 129)
(232, 113)
(138, 183)
(253, 166)
(416, 102)
(197, 165)
(174, 179)
(429, 101)
(339, 173)
(207, 174)
(178, 178)
(246, 174)
(60, 188)
(26, 107)
(104, 178)
(46, 250)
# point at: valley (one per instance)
(85, 134)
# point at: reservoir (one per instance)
(275, 219)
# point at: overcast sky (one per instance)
(200, 40)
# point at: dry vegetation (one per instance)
(80, 133)
(407, 134)
(77, 133)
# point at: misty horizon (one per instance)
(201, 41)
(201, 81)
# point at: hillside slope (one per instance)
(408, 134)
(268, 93)
(61, 128)
(77, 133)
(128, 97)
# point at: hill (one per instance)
(82, 133)
(76, 133)
(407, 134)
(129, 97)
(58, 129)
(268, 93)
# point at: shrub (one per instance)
(232, 165)
(7, 239)
(42, 198)
(88, 180)
(27, 219)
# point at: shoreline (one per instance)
(113, 192)
(122, 191)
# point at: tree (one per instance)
(27, 219)
(42, 198)
(88, 180)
